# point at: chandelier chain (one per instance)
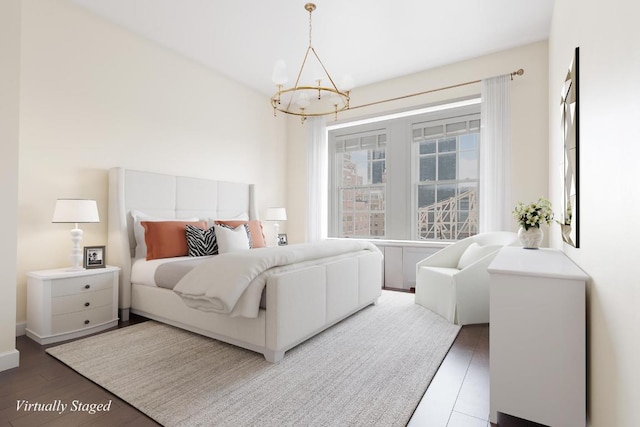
(310, 12)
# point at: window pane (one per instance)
(378, 154)
(446, 145)
(363, 212)
(446, 192)
(456, 127)
(426, 195)
(355, 168)
(347, 199)
(376, 199)
(468, 142)
(428, 147)
(377, 225)
(446, 166)
(427, 168)
(369, 141)
(347, 225)
(468, 167)
(377, 172)
(349, 170)
(352, 143)
(434, 131)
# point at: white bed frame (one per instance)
(299, 303)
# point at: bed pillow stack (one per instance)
(168, 238)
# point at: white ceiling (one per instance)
(370, 40)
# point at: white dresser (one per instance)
(538, 337)
(64, 304)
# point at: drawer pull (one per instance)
(86, 304)
(87, 286)
(86, 322)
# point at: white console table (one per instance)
(537, 337)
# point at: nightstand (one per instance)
(63, 304)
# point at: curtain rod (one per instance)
(514, 73)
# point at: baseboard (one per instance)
(21, 329)
(9, 360)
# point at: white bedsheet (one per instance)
(232, 283)
(143, 272)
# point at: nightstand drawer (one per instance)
(82, 319)
(81, 302)
(75, 285)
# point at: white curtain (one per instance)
(495, 155)
(316, 179)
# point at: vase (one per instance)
(531, 237)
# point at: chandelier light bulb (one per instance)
(347, 83)
(303, 100)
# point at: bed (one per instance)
(297, 301)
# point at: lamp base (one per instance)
(276, 231)
(76, 251)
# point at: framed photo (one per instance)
(282, 239)
(94, 257)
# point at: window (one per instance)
(408, 178)
(446, 185)
(360, 161)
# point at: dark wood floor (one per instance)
(458, 395)
(41, 378)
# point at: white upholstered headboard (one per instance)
(165, 196)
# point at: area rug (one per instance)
(371, 369)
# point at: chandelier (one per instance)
(309, 100)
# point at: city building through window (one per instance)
(406, 178)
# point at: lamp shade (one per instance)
(75, 211)
(276, 214)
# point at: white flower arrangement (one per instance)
(533, 214)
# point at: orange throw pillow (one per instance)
(255, 229)
(167, 239)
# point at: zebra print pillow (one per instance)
(201, 242)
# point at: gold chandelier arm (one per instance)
(324, 68)
(295, 86)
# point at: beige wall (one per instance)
(95, 96)
(609, 39)
(529, 115)
(9, 134)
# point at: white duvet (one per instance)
(232, 283)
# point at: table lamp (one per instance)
(275, 215)
(75, 211)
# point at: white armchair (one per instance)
(454, 281)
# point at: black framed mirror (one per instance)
(570, 120)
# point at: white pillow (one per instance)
(138, 230)
(231, 240)
(475, 252)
